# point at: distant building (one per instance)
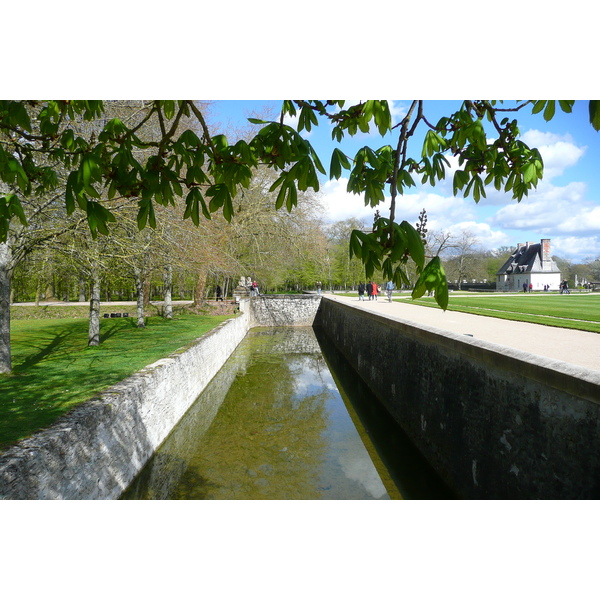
(529, 264)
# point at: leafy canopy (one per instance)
(38, 140)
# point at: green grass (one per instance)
(54, 369)
(572, 311)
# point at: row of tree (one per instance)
(284, 252)
(115, 188)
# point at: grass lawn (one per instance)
(54, 369)
(573, 311)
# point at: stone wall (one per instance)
(494, 422)
(282, 310)
(96, 450)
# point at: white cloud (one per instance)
(442, 211)
(576, 248)
(552, 210)
(563, 213)
(487, 238)
(341, 205)
(558, 151)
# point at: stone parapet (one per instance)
(284, 310)
(494, 422)
(96, 450)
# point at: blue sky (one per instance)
(565, 207)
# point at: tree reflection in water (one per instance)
(281, 431)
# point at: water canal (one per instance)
(286, 418)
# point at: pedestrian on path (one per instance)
(361, 291)
(375, 290)
(370, 290)
(389, 288)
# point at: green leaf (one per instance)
(339, 161)
(433, 279)
(566, 105)
(151, 216)
(220, 142)
(459, 180)
(594, 108)
(529, 173)
(549, 110)
(355, 245)
(228, 208)
(98, 216)
(194, 201)
(18, 112)
(169, 108)
(189, 139)
(15, 208)
(292, 197)
(220, 198)
(142, 216)
(415, 243)
(538, 106)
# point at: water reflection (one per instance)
(392, 452)
(273, 424)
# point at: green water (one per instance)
(274, 425)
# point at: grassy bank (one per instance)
(572, 311)
(54, 369)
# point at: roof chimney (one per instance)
(546, 258)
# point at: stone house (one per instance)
(529, 264)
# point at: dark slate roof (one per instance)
(527, 259)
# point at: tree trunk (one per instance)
(5, 285)
(94, 328)
(200, 287)
(168, 279)
(139, 291)
(50, 293)
(225, 288)
(81, 289)
(146, 290)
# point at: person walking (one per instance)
(361, 291)
(370, 290)
(389, 288)
(375, 290)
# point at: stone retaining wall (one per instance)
(96, 450)
(494, 422)
(282, 310)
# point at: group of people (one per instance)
(373, 290)
(564, 287)
(251, 286)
